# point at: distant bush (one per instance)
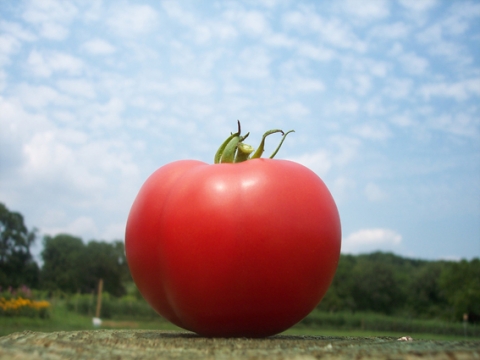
(379, 322)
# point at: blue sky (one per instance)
(384, 97)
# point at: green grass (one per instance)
(374, 323)
(61, 319)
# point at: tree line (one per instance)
(378, 282)
(393, 285)
(69, 264)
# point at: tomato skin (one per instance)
(246, 249)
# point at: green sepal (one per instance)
(261, 147)
(230, 151)
(221, 149)
(281, 142)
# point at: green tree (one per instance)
(103, 260)
(71, 265)
(425, 297)
(460, 282)
(63, 263)
(17, 266)
(376, 286)
(339, 296)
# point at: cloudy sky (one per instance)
(384, 97)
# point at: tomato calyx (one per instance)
(233, 150)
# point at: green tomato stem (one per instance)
(243, 152)
(233, 150)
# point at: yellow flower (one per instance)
(16, 305)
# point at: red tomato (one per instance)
(245, 249)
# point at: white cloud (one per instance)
(398, 88)
(40, 96)
(342, 187)
(397, 30)
(413, 64)
(374, 193)
(347, 149)
(79, 175)
(318, 161)
(253, 63)
(84, 225)
(338, 34)
(460, 123)
(8, 46)
(367, 240)
(432, 34)
(372, 9)
(107, 115)
(435, 38)
(205, 29)
(460, 91)
(114, 231)
(296, 110)
(359, 84)
(253, 22)
(375, 107)
(332, 31)
(183, 85)
(440, 38)
(77, 87)
(51, 17)
(17, 30)
(402, 120)
(3, 80)
(279, 40)
(48, 160)
(315, 52)
(14, 130)
(98, 47)
(345, 106)
(458, 19)
(373, 131)
(132, 20)
(45, 64)
(419, 6)
(299, 84)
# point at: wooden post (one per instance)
(99, 298)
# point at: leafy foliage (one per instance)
(17, 266)
(72, 266)
(389, 284)
(460, 282)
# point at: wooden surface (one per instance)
(150, 344)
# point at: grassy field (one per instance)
(62, 319)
